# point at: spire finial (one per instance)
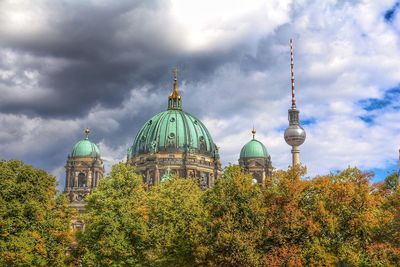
(175, 89)
(175, 74)
(87, 132)
(292, 74)
(253, 132)
(174, 99)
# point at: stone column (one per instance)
(76, 179)
(210, 179)
(157, 176)
(263, 178)
(89, 179)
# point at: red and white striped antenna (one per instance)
(292, 74)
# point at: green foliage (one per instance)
(116, 221)
(391, 181)
(34, 222)
(236, 214)
(176, 224)
(333, 220)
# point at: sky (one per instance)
(106, 65)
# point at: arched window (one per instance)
(82, 180)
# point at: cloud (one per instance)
(106, 65)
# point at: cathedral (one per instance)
(175, 143)
(171, 143)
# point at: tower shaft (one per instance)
(295, 155)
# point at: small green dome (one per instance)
(85, 148)
(254, 149)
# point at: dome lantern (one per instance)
(175, 99)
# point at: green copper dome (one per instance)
(254, 149)
(85, 148)
(173, 130)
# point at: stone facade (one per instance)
(177, 141)
(203, 168)
(258, 167)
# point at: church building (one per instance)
(176, 142)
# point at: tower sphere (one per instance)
(295, 135)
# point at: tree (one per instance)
(176, 224)
(285, 224)
(392, 181)
(338, 219)
(34, 221)
(115, 221)
(385, 246)
(236, 213)
(346, 219)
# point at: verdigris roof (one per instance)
(173, 130)
(254, 148)
(85, 148)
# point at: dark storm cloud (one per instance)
(98, 53)
(108, 67)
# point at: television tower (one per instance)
(294, 134)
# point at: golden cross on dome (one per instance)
(175, 73)
(87, 132)
(253, 132)
(175, 89)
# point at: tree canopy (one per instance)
(336, 219)
(34, 221)
(115, 221)
(340, 219)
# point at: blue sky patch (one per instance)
(382, 173)
(309, 121)
(391, 97)
(390, 100)
(367, 119)
(391, 13)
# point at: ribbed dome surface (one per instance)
(85, 148)
(254, 149)
(172, 130)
